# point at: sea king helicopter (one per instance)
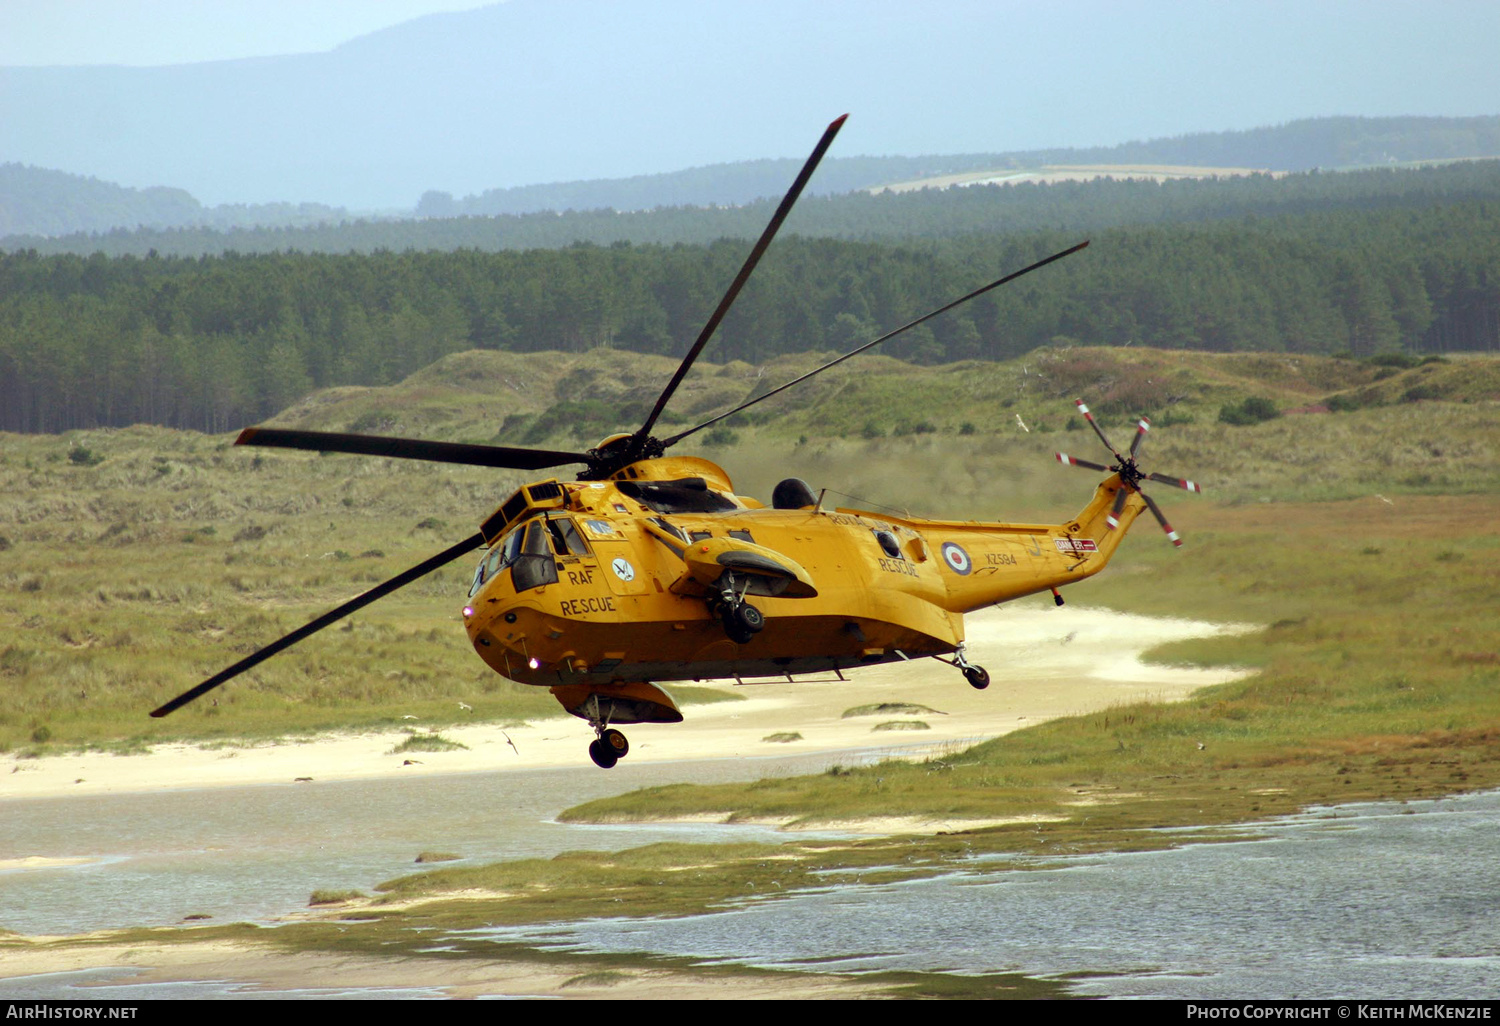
(649, 568)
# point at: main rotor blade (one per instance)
(883, 338)
(410, 448)
(448, 555)
(1141, 427)
(739, 281)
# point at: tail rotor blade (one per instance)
(1156, 512)
(448, 555)
(1176, 482)
(1074, 461)
(1113, 520)
(1097, 429)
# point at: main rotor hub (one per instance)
(618, 451)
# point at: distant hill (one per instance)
(1329, 143)
(37, 204)
(1083, 206)
(40, 202)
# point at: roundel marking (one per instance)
(623, 570)
(957, 559)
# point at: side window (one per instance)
(888, 544)
(565, 537)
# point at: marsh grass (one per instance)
(428, 743)
(326, 897)
(889, 709)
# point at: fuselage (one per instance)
(588, 582)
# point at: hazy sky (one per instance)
(556, 90)
(146, 32)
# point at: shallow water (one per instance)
(1377, 900)
(1372, 901)
(254, 853)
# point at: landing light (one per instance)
(533, 663)
(468, 612)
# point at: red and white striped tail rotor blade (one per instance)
(1156, 512)
(1141, 427)
(1176, 482)
(1113, 520)
(1074, 461)
(1083, 409)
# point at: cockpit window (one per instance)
(535, 565)
(687, 495)
(500, 556)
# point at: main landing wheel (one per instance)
(977, 676)
(743, 622)
(614, 742)
(603, 757)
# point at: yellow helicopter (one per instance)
(642, 570)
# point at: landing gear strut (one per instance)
(741, 620)
(610, 746)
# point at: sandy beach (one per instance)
(1044, 663)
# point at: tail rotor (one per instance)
(1131, 475)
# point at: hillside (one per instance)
(215, 342)
(136, 561)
